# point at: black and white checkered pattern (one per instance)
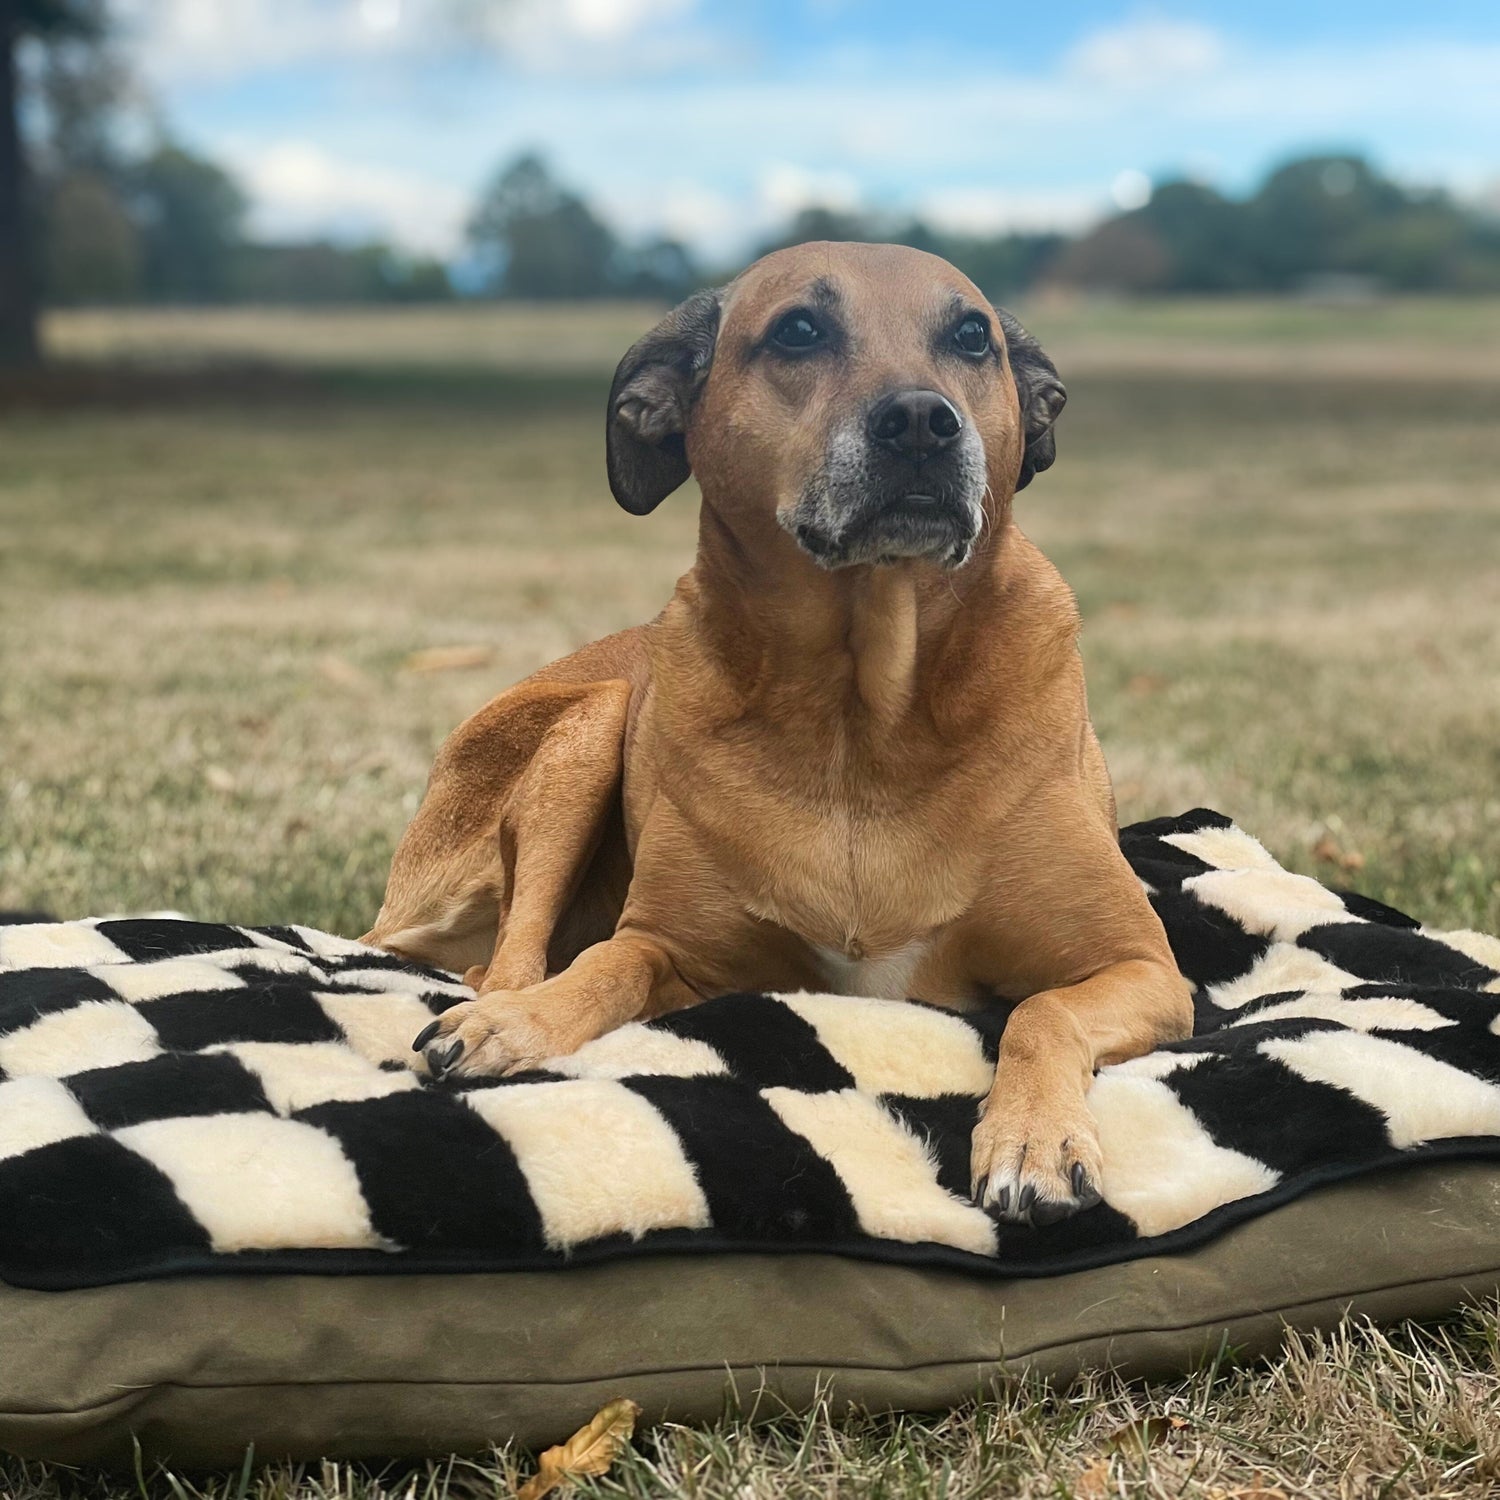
(188, 1096)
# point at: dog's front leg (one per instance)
(622, 979)
(1036, 1153)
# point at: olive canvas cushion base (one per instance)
(414, 1365)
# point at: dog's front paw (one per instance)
(501, 1032)
(1035, 1163)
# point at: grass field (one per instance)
(1283, 526)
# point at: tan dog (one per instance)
(853, 752)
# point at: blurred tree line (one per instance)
(121, 212)
(99, 204)
(1311, 222)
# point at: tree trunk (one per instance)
(18, 335)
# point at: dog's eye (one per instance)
(972, 336)
(797, 330)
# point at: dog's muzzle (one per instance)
(910, 485)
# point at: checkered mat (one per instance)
(182, 1096)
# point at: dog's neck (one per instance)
(883, 638)
(864, 640)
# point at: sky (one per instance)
(713, 120)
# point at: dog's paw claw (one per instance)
(1084, 1190)
(425, 1035)
(442, 1055)
(1033, 1171)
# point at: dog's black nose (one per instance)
(915, 424)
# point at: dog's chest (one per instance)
(866, 859)
(869, 896)
(885, 976)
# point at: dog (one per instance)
(852, 754)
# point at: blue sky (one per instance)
(713, 120)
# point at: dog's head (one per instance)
(867, 394)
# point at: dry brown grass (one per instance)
(1288, 586)
(1289, 583)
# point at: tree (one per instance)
(190, 214)
(1005, 264)
(662, 269)
(1308, 216)
(18, 292)
(1120, 255)
(1205, 235)
(319, 271)
(539, 239)
(819, 222)
(91, 249)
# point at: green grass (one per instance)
(1288, 560)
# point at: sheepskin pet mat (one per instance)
(182, 1096)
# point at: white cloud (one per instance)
(711, 220)
(194, 39)
(720, 155)
(299, 191)
(996, 210)
(783, 189)
(606, 20)
(598, 38)
(198, 39)
(1145, 51)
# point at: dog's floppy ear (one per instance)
(654, 390)
(1042, 396)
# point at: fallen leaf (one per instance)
(1145, 684)
(1329, 850)
(1136, 1437)
(219, 779)
(448, 658)
(1093, 1483)
(591, 1450)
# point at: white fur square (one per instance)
(56, 945)
(37, 1112)
(330, 945)
(297, 1075)
(1421, 1098)
(1159, 1165)
(890, 1174)
(258, 1182)
(381, 1028)
(1273, 903)
(397, 981)
(1284, 966)
(637, 1051)
(894, 1047)
(165, 976)
(1224, 848)
(96, 1034)
(598, 1159)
